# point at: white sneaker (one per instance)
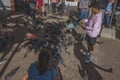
(86, 53)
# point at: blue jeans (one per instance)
(53, 7)
(83, 14)
(107, 19)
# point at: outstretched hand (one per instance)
(82, 24)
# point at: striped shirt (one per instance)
(108, 8)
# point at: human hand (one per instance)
(83, 27)
(82, 21)
(110, 14)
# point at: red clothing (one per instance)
(39, 3)
(33, 36)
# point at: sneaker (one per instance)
(88, 59)
(2, 60)
(86, 53)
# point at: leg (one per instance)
(39, 11)
(42, 8)
(85, 14)
(81, 13)
(53, 7)
(90, 48)
(90, 44)
(107, 19)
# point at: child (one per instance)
(32, 38)
(40, 8)
(69, 26)
(92, 28)
(67, 10)
(108, 13)
(61, 7)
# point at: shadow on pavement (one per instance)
(8, 61)
(12, 73)
(90, 70)
(87, 70)
(12, 42)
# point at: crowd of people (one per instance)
(43, 69)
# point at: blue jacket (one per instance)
(33, 73)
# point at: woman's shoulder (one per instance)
(33, 66)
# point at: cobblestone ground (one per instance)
(105, 64)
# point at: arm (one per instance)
(110, 13)
(58, 74)
(25, 77)
(43, 3)
(36, 4)
(82, 23)
(97, 24)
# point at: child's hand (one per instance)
(110, 14)
(82, 21)
(83, 27)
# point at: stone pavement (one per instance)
(105, 65)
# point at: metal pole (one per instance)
(113, 12)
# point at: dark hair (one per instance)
(43, 61)
(68, 21)
(95, 5)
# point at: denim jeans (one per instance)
(53, 7)
(107, 19)
(83, 14)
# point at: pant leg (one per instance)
(32, 14)
(53, 7)
(107, 19)
(80, 16)
(85, 14)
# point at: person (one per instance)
(42, 70)
(54, 5)
(93, 29)
(108, 13)
(32, 5)
(67, 11)
(40, 8)
(31, 39)
(61, 7)
(30, 8)
(83, 6)
(69, 26)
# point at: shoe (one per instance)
(88, 59)
(85, 53)
(2, 60)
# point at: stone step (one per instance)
(108, 33)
